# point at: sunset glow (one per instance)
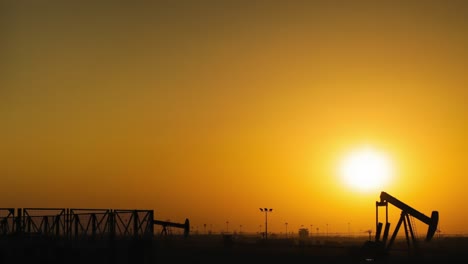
(366, 170)
(208, 110)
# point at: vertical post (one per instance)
(135, 223)
(93, 225)
(379, 230)
(18, 224)
(385, 235)
(45, 224)
(376, 215)
(377, 204)
(57, 225)
(76, 220)
(386, 212)
(266, 210)
(111, 225)
(111, 221)
(27, 225)
(67, 223)
(151, 226)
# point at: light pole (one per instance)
(266, 210)
(286, 224)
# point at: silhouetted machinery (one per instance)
(380, 247)
(165, 224)
(73, 223)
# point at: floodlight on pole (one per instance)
(266, 210)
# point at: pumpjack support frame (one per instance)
(406, 212)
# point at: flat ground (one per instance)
(226, 249)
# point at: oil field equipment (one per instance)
(82, 223)
(381, 246)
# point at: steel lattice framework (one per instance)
(76, 223)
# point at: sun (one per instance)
(366, 169)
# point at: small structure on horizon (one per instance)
(303, 232)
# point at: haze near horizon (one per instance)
(209, 110)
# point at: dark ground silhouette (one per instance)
(223, 249)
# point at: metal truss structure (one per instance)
(76, 223)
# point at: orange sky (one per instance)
(208, 110)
